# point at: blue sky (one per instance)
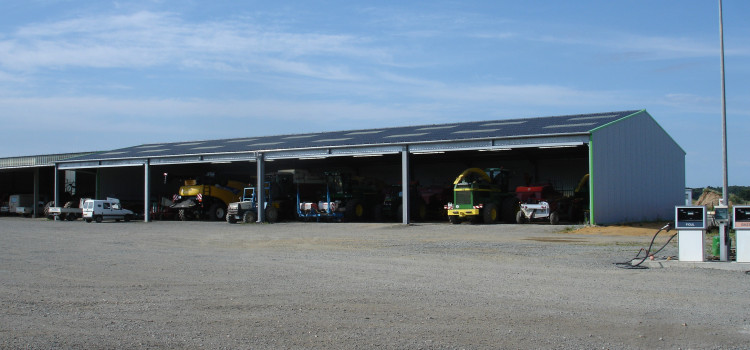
(95, 75)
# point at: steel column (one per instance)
(405, 198)
(97, 190)
(56, 188)
(36, 193)
(259, 190)
(146, 192)
(725, 177)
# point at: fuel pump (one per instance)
(690, 222)
(742, 230)
(721, 218)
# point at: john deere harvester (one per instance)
(482, 196)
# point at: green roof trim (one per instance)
(617, 121)
(633, 115)
(592, 220)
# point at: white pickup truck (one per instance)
(105, 209)
(67, 212)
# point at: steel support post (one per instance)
(405, 197)
(723, 243)
(725, 181)
(259, 190)
(35, 214)
(146, 192)
(56, 187)
(97, 190)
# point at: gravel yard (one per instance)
(352, 286)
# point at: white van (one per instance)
(105, 209)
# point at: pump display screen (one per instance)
(721, 215)
(690, 218)
(742, 217)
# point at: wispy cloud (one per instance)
(147, 39)
(548, 95)
(628, 46)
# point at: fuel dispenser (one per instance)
(690, 222)
(742, 230)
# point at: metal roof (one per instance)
(465, 135)
(36, 161)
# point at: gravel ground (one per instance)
(352, 286)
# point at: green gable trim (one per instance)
(635, 114)
(591, 180)
(616, 121)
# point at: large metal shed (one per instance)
(31, 174)
(637, 171)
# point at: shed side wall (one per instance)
(638, 172)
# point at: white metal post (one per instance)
(56, 189)
(146, 192)
(405, 198)
(725, 194)
(723, 243)
(260, 194)
(36, 192)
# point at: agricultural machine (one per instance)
(195, 201)
(338, 196)
(277, 204)
(426, 203)
(543, 202)
(482, 195)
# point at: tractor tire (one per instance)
(272, 214)
(46, 209)
(490, 214)
(231, 219)
(355, 211)
(249, 217)
(216, 212)
(454, 219)
(509, 209)
(422, 211)
(184, 215)
(554, 218)
(377, 213)
(520, 218)
(419, 214)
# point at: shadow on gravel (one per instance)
(555, 240)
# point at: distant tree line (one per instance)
(737, 194)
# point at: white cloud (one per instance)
(627, 46)
(147, 39)
(546, 95)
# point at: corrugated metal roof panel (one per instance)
(453, 132)
(36, 161)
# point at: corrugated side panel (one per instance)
(638, 172)
(36, 161)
